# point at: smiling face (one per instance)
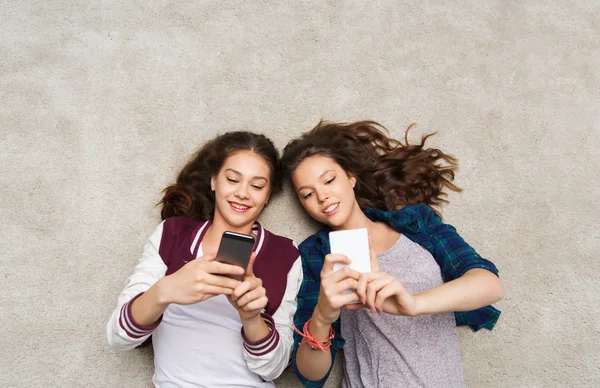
(326, 191)
(242, 187)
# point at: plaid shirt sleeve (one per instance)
(312, 262)
(455, 257)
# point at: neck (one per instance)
(216, 229)
(356, 220)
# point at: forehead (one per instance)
(311, 169)
(247, 163)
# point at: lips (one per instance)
(331, 209)
(238, 207)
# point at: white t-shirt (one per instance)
(201, 344)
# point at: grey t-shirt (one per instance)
(384, 350)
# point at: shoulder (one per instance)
(313, 250)
(175, 225)
(180, 228)
(176, 240)
(416, 217)
(275, 241)
(419, 211)
(316, 244)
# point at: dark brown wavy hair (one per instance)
(390, 174)
(191, 195)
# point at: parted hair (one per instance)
(390, 174)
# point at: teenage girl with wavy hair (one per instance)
(211, 330)
(425, 278)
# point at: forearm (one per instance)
(270, 355)
(475, 289)
(255, 328)
(149, 307)
(314, 364)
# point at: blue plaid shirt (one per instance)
(421, 225)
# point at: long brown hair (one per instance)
(390, 174)
(191, 195)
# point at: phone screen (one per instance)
(354, 244)
(235, 249)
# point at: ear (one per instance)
(212, 183)
(352, 180)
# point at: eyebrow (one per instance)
(320, 176)
(239, 173)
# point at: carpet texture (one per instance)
(102, 102)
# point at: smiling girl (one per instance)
(207, 329)
(425, 278)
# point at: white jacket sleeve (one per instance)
(270, 356)
(122, 331)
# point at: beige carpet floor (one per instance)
(101, 102)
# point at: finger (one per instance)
(383, 294)
(373, 255)
(361, 287)
(374, 287)
(364, 280)
(216, 267)
(240, 290)
(330, 260)
(343, 300)
(207, 258)
(220, 281)
(250, 268)
(251, 296)
(248, 284)
(354, 306)
(338, 288)
(216, 290)
(257, 304)
(342, 274)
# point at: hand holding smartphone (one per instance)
(354, 244)
(235, 249)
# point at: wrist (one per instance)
(319, 319)
(420, 305)
(163, 296)
(255, 329)
(319, 327)
(252, 321)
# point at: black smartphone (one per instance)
(235, 249)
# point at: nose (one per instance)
(322, 196)
(242, 193)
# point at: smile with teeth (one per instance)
(331, 208)
(238, 207)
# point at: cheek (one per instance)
(311, 208)
(260, 197)
(222, 189)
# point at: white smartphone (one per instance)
(354, 244)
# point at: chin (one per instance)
(239, 221)
(332, 222)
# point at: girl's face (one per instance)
(242, 188)
(325, 190)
